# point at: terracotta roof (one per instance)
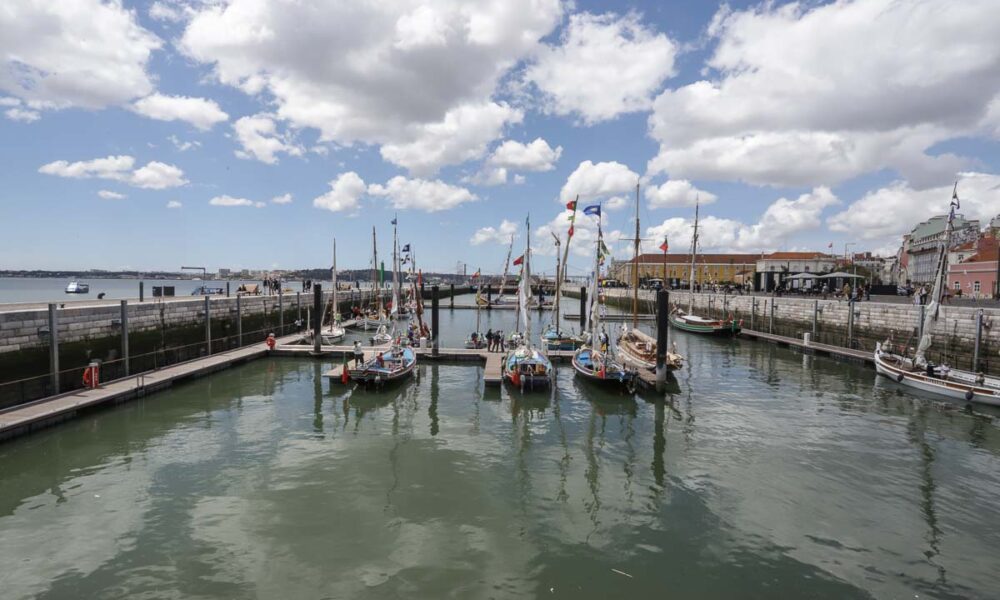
(796, 255)
(736, 259)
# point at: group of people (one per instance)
(853, 293)
(495, 341)
(271, 285)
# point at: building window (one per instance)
(975, 286)
(807, 268)
(958, 286)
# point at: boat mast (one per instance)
(526, 284)
(694, 254)
(920, 357)
(375, 286)
(506, 267)
(395, 269)
(555, 302)
(336, 309)
(561, 269)
(635, 265)
(595, 303)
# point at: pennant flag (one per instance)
(570, 231)
(519, 260)
(394, 220)
(604, 249)
(406, 248)
(476, 274)
(571, 218)
(571, 205)
(664, 246)
(594, 210)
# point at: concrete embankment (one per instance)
(158, 334)
(840, 323)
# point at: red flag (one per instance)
(571, 205)
(664, 246)
(476, 274)
(570, 231)
(518, 260)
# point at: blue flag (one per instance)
(394, 220)
(594, 210)
(406, 248)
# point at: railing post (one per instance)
(850, 324)
(753, 312)
(662, 339)
(281, 312)
(54, 346)
(317, 317)
(124, 320)
(239, 321)
(815, 318)
(770, 320)
(298, 306)
(979, 337)
(435, 322)
(208, 325)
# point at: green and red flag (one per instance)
(571, 205)
(518, 260)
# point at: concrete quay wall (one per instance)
(954, 335)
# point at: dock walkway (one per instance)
(811, 347)
(25, 418)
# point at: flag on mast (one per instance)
(571, 205)
(594, 210)
(519, 260)
(665, 245)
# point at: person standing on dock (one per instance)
(489, 341)
(500, 340)
(359, 354)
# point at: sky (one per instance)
(252, 133)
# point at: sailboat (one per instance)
(918, 371)
(500, 299)
(387, 366)
(335, 332)
(636, 347)
(374, 317)
(398, 310)
(525, 367)
(476, 340)
(690, 322)
(596, 361)
(553, 337)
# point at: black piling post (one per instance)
(141, 295)
(317, 315)
(583, 308)
(227, 289)
(435, 322)
(452, 304)
(662, 336)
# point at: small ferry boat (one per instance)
(388, 366)
(75, 287)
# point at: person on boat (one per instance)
(359, 354)
(380, 361)
(604, 340)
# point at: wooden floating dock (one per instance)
(614, 317)
(25, 418)
(811, 347)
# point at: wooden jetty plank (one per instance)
(40, 413)
(799, 344)
(492, 375)
(612, 317)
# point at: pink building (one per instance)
(976, 276)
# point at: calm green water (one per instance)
(766, 474)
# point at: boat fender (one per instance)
(270, 341)
(899, 378)
(969, 394)
(88, 377)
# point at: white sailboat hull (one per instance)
(958, 385)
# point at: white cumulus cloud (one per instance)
(344, 195)
(677, 192)
(154, 175)
(109, 195)
(422, 194)
(200, 112)
(23, 115)
(591, 180)
(535, 156)
(157, 176)
(259, 137)
(84, 53)
(230, 201)
(282, 199)
(500, 235)
(816, 93)
(604, 66)
(174, 204)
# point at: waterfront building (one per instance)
(924, 241)
(772, 268)
(224, 273)
(709, 268)
(976, 276)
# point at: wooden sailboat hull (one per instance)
(614, 376)
(718, 328)
(901, 371)
(393, 372)
(537, 375)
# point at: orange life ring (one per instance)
(88, 377)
